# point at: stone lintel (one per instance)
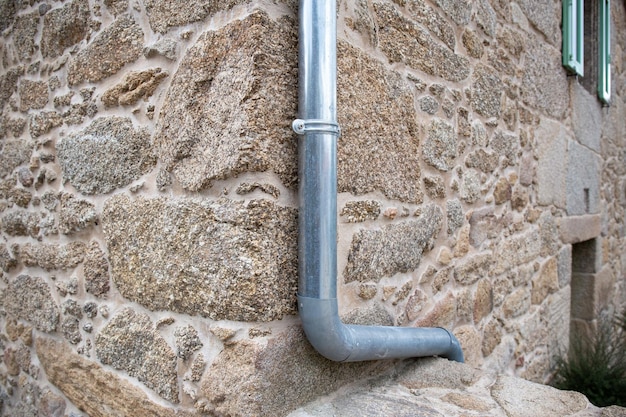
(574, 229)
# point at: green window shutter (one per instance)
(573, 36)
(604, 51)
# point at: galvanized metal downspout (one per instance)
(317, 285)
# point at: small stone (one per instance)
(187, 341)
(359, 211)
(445, 256)
(96, 270)
(390, 213)
(72, 308)
(435, 187)
(440, 147)
(222, 333)
(91, 309)
(429, 105)
(71, 330)
(502, 191)
(165, 47)
(367, 291)
(29, 298)
(135, 86)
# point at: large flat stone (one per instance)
(379, 146)
(219, 259)
(230, 104)
(29, 298)
(92, 389)
(130, 343)
(395, 248)
(108, 154)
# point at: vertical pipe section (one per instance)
(317, 285)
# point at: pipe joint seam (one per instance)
(302, 127)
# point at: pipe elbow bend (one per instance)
(323, 328)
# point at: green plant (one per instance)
(596, 364)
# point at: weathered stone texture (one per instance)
(42, 123)
(458, 10)
(64, 27)
(230, 105)
(440, 147)
(403, 40)
(116, 6)
(96, 270)
(130, 342)
(164, 14)
(98, 392)
(116, 46)
(517, 250)
(8, 8)
(425, 15)
(543, 14)
(109, 154)
(544, 83)
(474, 268)
(135, 86)
(29, 298)
(487, 91)
(14, 153)
(187, 341)
(21, 223)
(75, 214)
(552, 164)
(378, 149)
(248, 378)
(359, 211)
(220, 259)
(8, 84)
(50, 256)
(395, 248)
(24, 33)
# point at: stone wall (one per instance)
(148, 197)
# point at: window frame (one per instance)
(604, 51)
(573, 36)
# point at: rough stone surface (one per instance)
(109, 154)
(482, 160)
(29, 298)
(166, 47)
(116, 46)
(51, 256)
(8, 8)
(116, 6)
(33, 94)
(473, 44)
(403, 40)
(456, 218)
(376, 156)
(64, 27)
(187, 341)
(517, 250)
(96, 270)
(41, 123)
(98, 392)
(130, 343)
(543, 14)
(135, 86)
(164, 14)
(544, 83)
(25, 30)
(21, 223)
(230, 104)
(75, 214)
(360, 211)
(251, 379)
(395, 248)
(522, 398)
(221, 259)
(435, 187)
(440, 147)
(474, 268)
(552, 164)
(14, 153)
(583, 181)
(487, 91)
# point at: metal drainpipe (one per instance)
(317, 285)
